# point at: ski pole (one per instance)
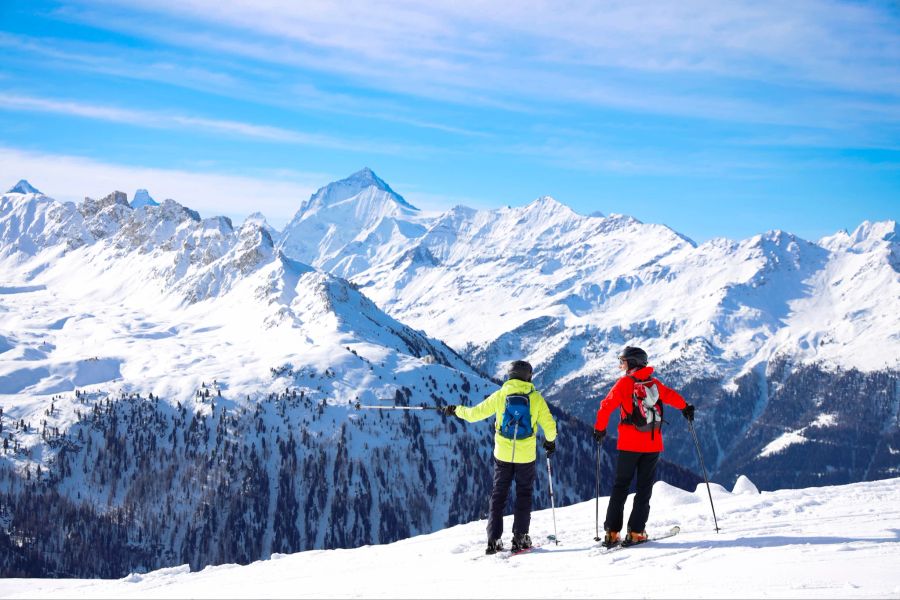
(552, 503)
(705, 478)
(359, 406)
(597, 502)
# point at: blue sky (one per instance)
(715, 118)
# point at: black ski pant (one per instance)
(504, 473)
(627, 464)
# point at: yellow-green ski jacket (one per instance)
(495, 404)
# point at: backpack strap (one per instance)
(625, 417)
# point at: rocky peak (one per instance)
(90, 207)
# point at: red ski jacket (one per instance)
(620, 397)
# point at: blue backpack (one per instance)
(516, 423)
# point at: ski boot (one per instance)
(611, 539)
(494, 546)
(635, 537)
(521, 541)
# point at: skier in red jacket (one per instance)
(640, 441)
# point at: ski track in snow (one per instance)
(830, 542)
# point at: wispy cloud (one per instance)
(229, 79)
(772, 55)
(154, 119)
(108, 59)
(276, 194)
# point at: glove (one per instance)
(549, 448)
(688, 412)
(599, 434)
(448, 411)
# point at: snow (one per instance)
(829, 542)
(743, 485)
(781, 442)
(825, 420)
(789, 438)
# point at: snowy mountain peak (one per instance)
(547, 200)
(776, 242)
(359, 210)
(367, 177)
(867, 236)
(879, 230)
(617, 221)
(23, 187)
(349, 187)
(142, 198)
(549, 204)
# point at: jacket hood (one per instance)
(517, 386)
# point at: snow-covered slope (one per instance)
(829, 542)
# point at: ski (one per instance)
(511, 553)
(622, 546)
(508, 553)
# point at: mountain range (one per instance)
(176, 389)
(140, 339)
(745, 328)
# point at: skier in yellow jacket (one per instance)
(519, 408)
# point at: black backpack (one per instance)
(646, 409)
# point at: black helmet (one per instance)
(520, 369)
(634, 356)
